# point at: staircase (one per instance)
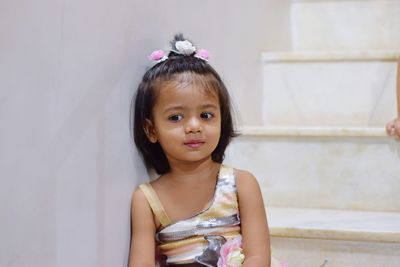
(329, 174)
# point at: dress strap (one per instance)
(155, 204)
(226, 171)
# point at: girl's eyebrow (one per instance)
(173, 108)
(209, 105)
(204, 106)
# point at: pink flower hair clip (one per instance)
(158, 56)
(203, 54)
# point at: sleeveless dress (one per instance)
(196, 241)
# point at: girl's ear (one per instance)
(150, 131)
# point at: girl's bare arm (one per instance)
(142, 252)
(254, 226)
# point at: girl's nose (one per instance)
(193, 126)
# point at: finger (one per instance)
(390, 130)
(396, 131)
(389, 127)
(396, 124)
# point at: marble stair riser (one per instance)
(329, 172)
(336, 93)
(301, 252)
(345, 25)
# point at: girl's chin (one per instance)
(193, 158)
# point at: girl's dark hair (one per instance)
(143, 103)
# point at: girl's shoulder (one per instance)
(140, 206)
(146, 201)
(142, 192)
(138, 197)
(250, 198)
(246, 182)
(139, 193)
(243, 175)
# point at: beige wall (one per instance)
(67, 72)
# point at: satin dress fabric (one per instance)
(196, 241)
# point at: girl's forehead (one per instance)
(188, 95)
(188, 89)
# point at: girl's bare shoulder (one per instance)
(139, 200)
(245, 180)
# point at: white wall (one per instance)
(67, 72)
(345, 25)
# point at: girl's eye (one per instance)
(175, 117)
(206, 115)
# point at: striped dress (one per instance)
(196, 241)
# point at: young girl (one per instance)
(199, 212)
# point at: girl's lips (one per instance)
(194, 143)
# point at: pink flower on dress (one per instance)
(231, 254)
(158, 55)
(203, 54)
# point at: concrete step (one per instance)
(329, 88)
(336, 238)
(345, 24)
(317, 167)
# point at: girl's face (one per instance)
(186, 122)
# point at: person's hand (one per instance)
(393, 128)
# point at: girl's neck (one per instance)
(193, 170)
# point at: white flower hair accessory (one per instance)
(184, 47)
(180, 46)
